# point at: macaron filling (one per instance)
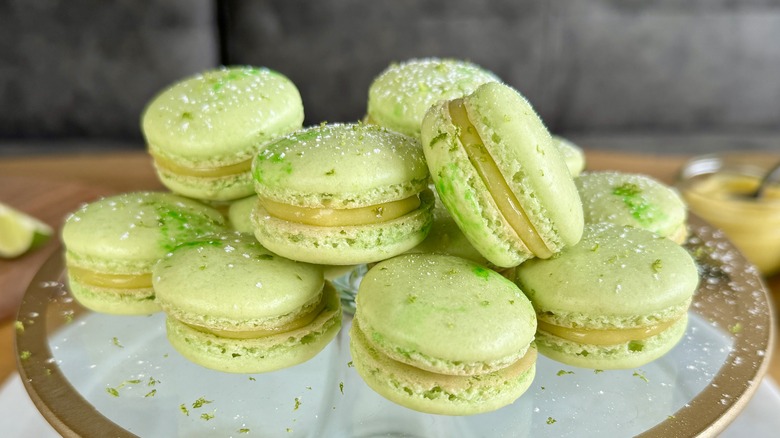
(605, 336)
(506, 201)
(302, 321)
(116, 281)
(202, 172)
(329, 217)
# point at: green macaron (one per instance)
(399, 97)
(572, 154)
(342, 194)
(112, 244)
(633, 199)
(234, 306)
(618, 299)
(497, 171)
(444, 335)
(204, 131)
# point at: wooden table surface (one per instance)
(50, 186)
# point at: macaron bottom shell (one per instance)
(262, 354)
(626, 355)
(223, 188)
(434, 393)
(344, 245)
(114, 301)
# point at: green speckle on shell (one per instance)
(482, 272)
(638, 205)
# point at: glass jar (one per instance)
(717, 188)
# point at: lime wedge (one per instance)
(20, 232)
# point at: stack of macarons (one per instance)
(451, 178)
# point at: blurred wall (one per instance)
(671, 75)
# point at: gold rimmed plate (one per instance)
(97, 375)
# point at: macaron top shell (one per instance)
(444, 314)
(399, 97)
(133, 230)
(631, 199)
(616, 276)
(221, 116)
(340, 166)
(233, 283)
(529, 163)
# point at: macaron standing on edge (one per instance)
(443, 335)
(342, 194)
(234, 306)
(112, 244)
(618, 299)
(203, 131)
(399, 96)
(496, 169)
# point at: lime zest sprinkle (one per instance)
(641, 375)
(152, 381)
(151, 393)
(24, 355)
(297, 403)
(736, 328)
(206, 416)
(598, 371)
(200, 402)
(341, 387)
(551, 420)
(657, 265)
(563, 372)
(68, 316)
(243, 430)
(252, 379)
(184, 409)
(19, 326)
(350, 364)
(112, 391)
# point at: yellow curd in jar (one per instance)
(753, 225)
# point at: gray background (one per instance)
(669, 76)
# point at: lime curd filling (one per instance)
(203, 172)
(116, 281)
(295, 324)
(488, 171)
(605, 337)
(330, 217)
